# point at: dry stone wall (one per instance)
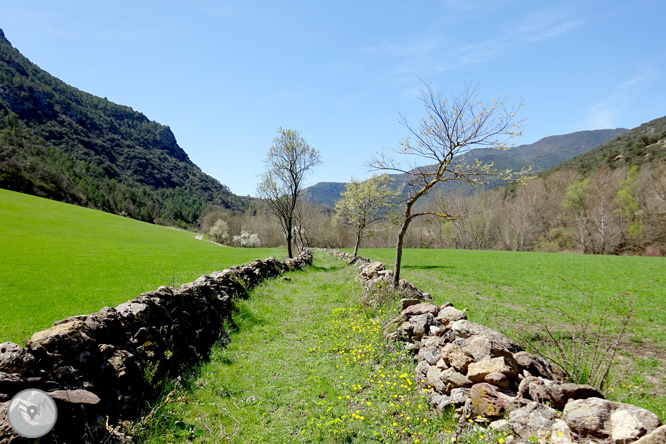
(101, 368)
(491, 381)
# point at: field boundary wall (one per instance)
(104, 367)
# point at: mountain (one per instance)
(541, 155)
(65, 144)
(640, 145)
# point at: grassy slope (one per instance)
(59, 260)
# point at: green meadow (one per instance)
(500, 288)
(520, 294)
(59, 260)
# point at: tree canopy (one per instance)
(289, 160)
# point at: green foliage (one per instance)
(629, 205)
(62, 260)
(62, 143)
(366, 202)
(633, 148)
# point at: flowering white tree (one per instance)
(247, 240)
(219, 232)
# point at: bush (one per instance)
(219, 232)
(247, 240)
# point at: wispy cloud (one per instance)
(432, 54)
(606, 113)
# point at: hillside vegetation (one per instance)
(62, 143)
(641, 145)
(61, 260)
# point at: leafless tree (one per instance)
(451, 127)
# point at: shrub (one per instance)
(247, 240)
(219, 232)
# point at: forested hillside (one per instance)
(62, 143)
(641, 145)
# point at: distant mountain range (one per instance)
(62, 143)
(541, 155)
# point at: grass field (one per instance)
(514, 292)
(519, 285)
(59, 260)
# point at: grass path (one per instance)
(307, 364)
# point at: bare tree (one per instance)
(451, 128)
(289, 160)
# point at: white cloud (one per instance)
(429, 54)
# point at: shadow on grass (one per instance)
(427, 267)
(334, 267)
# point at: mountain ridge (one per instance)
(60, 142)
(545, 153)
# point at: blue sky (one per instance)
(225, 75)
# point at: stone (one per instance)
(561, 433)
(454, 356)
(479, 347)
(592, 416)
(429, 354)
(459, 395)
(78, 396)
(626, 427)
(433, 341)
(465, 329)
(421, 324)
(657, 436)
(498, 379)
(12, 383)
(537, 366)
(419, 309)
(450, 314)
(485, 401)
(441, 402)
(433, 377)
(477, 371)
(7, 434)
(66, 338)
(535, 419)
(555, 393)
(14, 358)
(501, 425)
(588, 417)
(455, 379)
(420, 374)
(408, 302)
(370, 271)
(441, 364)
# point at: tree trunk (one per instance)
(358, 242)
(398, 253)
(289, 253)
